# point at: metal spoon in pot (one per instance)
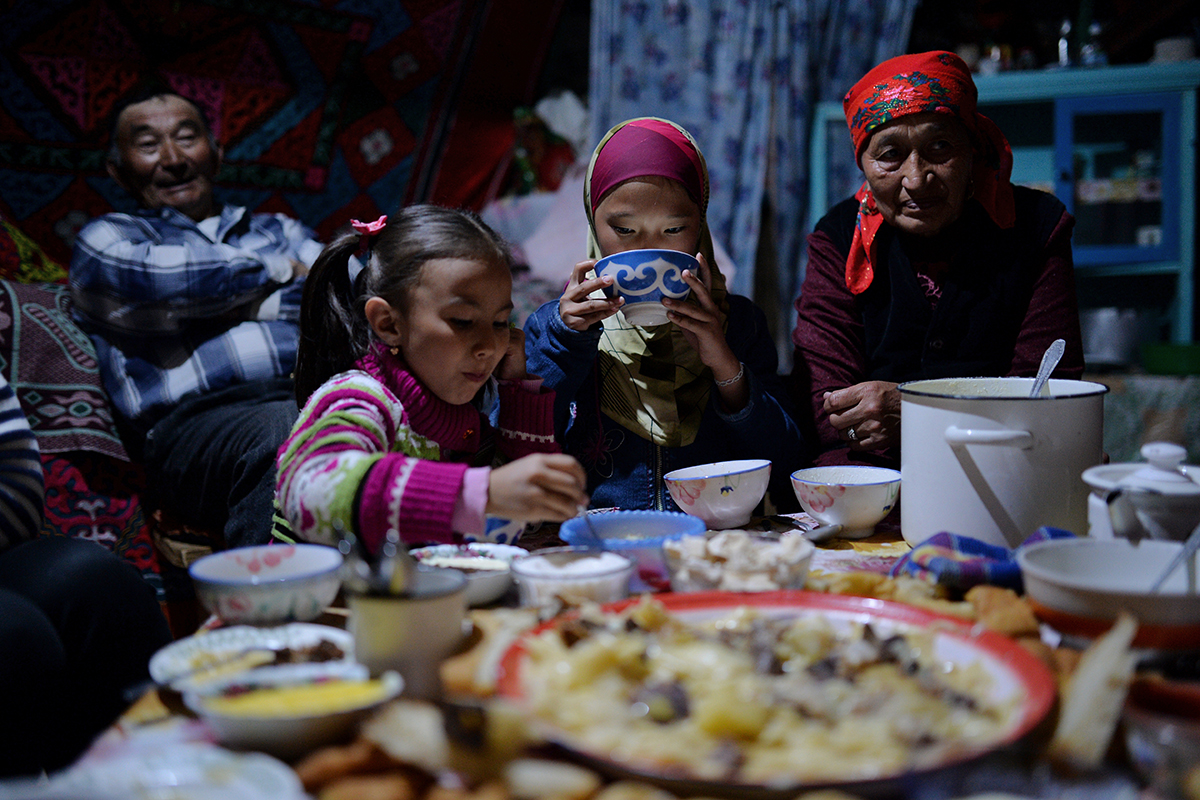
(1049, 361)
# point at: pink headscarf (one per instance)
(940, 82)
(648, 147)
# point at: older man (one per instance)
(193, 308)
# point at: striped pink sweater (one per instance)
(374, 450)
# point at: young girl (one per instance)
(392, 367)
(635, 403)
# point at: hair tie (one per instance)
(368, 229)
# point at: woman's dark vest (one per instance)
(986, 290)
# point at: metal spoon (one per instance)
(396, 564)
(1188, 554)
(822, 533)
(1049, 361)
(591, 539)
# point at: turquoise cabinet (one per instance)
(1118, 146)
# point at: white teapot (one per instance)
(1163, 494)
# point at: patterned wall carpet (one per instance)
(327, 110)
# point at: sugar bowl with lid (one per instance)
(1158, 498)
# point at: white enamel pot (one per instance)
(981, 458)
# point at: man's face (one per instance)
(167, 158)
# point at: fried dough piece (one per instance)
(1002, 610)
(330, 763)
(396, 785)
(632, 790)
(493, 790)
(539, 779)
(412, 732)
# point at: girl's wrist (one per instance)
(737, 377)
(727, 370)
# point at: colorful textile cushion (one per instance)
(98, 497)
(52, 367)
(92, 490)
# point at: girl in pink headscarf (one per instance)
(938, 267)
(633, 403)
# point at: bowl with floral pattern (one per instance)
(643, 278)
(723, 494)
(268, 584)
(854, 498)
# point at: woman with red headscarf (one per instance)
(937, 267)
(633, 403)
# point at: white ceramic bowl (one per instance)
(1079, 585)
(637, 535)
(487, 566)
(643, 278)
(738, 561)
(574, 574)
(853, 497)
(288, 733)
(268, 584)
(723, 494)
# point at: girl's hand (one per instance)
(701, 324)
(871, 410)
(512, 364)
(541, 486)
(580, 312)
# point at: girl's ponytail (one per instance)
(333, 331)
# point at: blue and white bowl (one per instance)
(638, 535)
(500, 531)
(643, 278)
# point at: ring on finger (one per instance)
(852, 434)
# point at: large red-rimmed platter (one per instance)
(1018, 680)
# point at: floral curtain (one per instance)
(743, 76)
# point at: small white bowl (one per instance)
(723, 494)
(1079, 585)
(643, 278)
(738, 561)
(487, 566)
(853, 497)
(268, 584)
(573, 574)
(288, 733)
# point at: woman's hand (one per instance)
(866, 415)
(512, 364)
(542, 486)
(580, 312)
(701, 325)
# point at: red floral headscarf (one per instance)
(914, 84)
